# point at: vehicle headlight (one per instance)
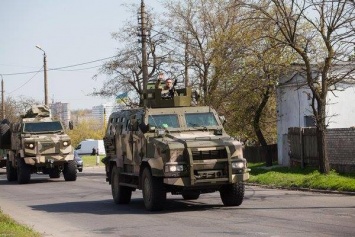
(66, 143)
(30, 145)
(174, 168)
(238, 165)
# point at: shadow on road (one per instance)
(136, 206)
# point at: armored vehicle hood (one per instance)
(201, 141)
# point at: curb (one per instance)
(302, 189)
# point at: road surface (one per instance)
(85, 208)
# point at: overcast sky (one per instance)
(71, 32)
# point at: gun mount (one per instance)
(37, 111)
(181, 98)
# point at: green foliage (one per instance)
(9, 227)
(86, 129)
(301, 178)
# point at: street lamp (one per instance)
(45, 75)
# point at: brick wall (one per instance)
(340, 147)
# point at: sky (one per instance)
(71, 32)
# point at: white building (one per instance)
(102, 112)
(61, 111)
(294, 109)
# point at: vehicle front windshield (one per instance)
(200, 119)
(42, 127)
(164, 121)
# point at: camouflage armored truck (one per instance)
(37, 144)
(170, 146)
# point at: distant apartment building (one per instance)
(61, 111)
(102, 112)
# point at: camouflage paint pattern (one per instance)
(206, 153)
(53, 147)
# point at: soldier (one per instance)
(168, 90)
(168, 82)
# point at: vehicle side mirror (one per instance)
(134, 125)
(144, 127)
(223, 119)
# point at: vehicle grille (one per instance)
(49, 148)
(210, 154)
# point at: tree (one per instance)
(318, 31)
(195, 25)
(86, 129)
(125, 70)
(232, 63)
(15, 108)
(250, 65)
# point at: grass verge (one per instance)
(300, 178)
(90, 161)
(9, 228)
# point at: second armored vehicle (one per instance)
(38, 144)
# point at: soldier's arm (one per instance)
(157, 83)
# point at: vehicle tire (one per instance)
(121, 194)
(23, 171)
(69, 171)
(154, 194)
(232, 194)
(11, 172)
(5, 134)
(191, 195)
(54, 173)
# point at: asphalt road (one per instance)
(85, 208)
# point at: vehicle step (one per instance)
(129, 174)
(129, 185)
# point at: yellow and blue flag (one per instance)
(121, 98)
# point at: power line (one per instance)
(40, 70)
(79, 69)
(58, 68)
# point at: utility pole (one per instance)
(2, 98)
(187, 60)
(144, 50)
(45, 75)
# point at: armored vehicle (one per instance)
(37, 144)
(170, 146)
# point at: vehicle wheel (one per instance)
(154, 194)
(232, 194)
(23, 171)
(120, 194)
(54, 173)
(5, 134)
(11, 172)
(191, 195)
(69, 171)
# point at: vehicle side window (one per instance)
(127, 125)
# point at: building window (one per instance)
(309, 121)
